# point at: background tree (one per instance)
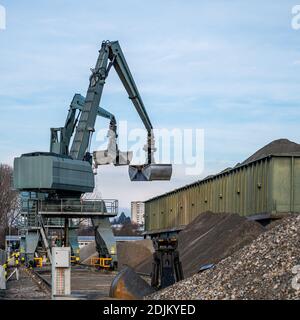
(121, 219)
(9, 201)
(128, 229)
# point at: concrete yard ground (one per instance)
(23, 289)
(86, 283)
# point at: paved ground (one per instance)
(24, 289)
(86, 283)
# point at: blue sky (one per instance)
(229, 67)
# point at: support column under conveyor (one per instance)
(105, 240)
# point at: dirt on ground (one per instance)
(264, 269)
(24, 289)
(209, 238)
(133, 253)
(130, 253)
(86, 283)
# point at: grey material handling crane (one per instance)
(61, 176)
(111, 51)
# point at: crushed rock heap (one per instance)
(279, 146)
(209, 238)
(260, 270)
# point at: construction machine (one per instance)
(166, 265)
(166, 270)
(56, 180)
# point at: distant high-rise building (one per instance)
(137, 212)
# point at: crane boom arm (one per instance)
(113, 52)
(89, 111)
(123, 71)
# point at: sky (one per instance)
(231, 68)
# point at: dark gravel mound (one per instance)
(209, 238)
(279, 146)
(213, 236)
(132, 253)
(263, 269)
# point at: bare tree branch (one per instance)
(9, 201)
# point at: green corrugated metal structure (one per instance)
(266, 187)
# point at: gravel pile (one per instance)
(210, 238)
(280, 146)
(133, 253)
(130, 253)
(260, 270)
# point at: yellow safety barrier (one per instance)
(101, 262)
(75, 259)
(14, 258)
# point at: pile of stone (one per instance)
(133, 253)
(208, 239)
(280, 146)
(264, 269)
(129, 253)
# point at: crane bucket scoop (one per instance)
(150, 172)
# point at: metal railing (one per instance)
(101, 206)
(31, 208)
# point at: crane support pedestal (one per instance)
(166, 268)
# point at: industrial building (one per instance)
(261, 189)
(138, 212)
